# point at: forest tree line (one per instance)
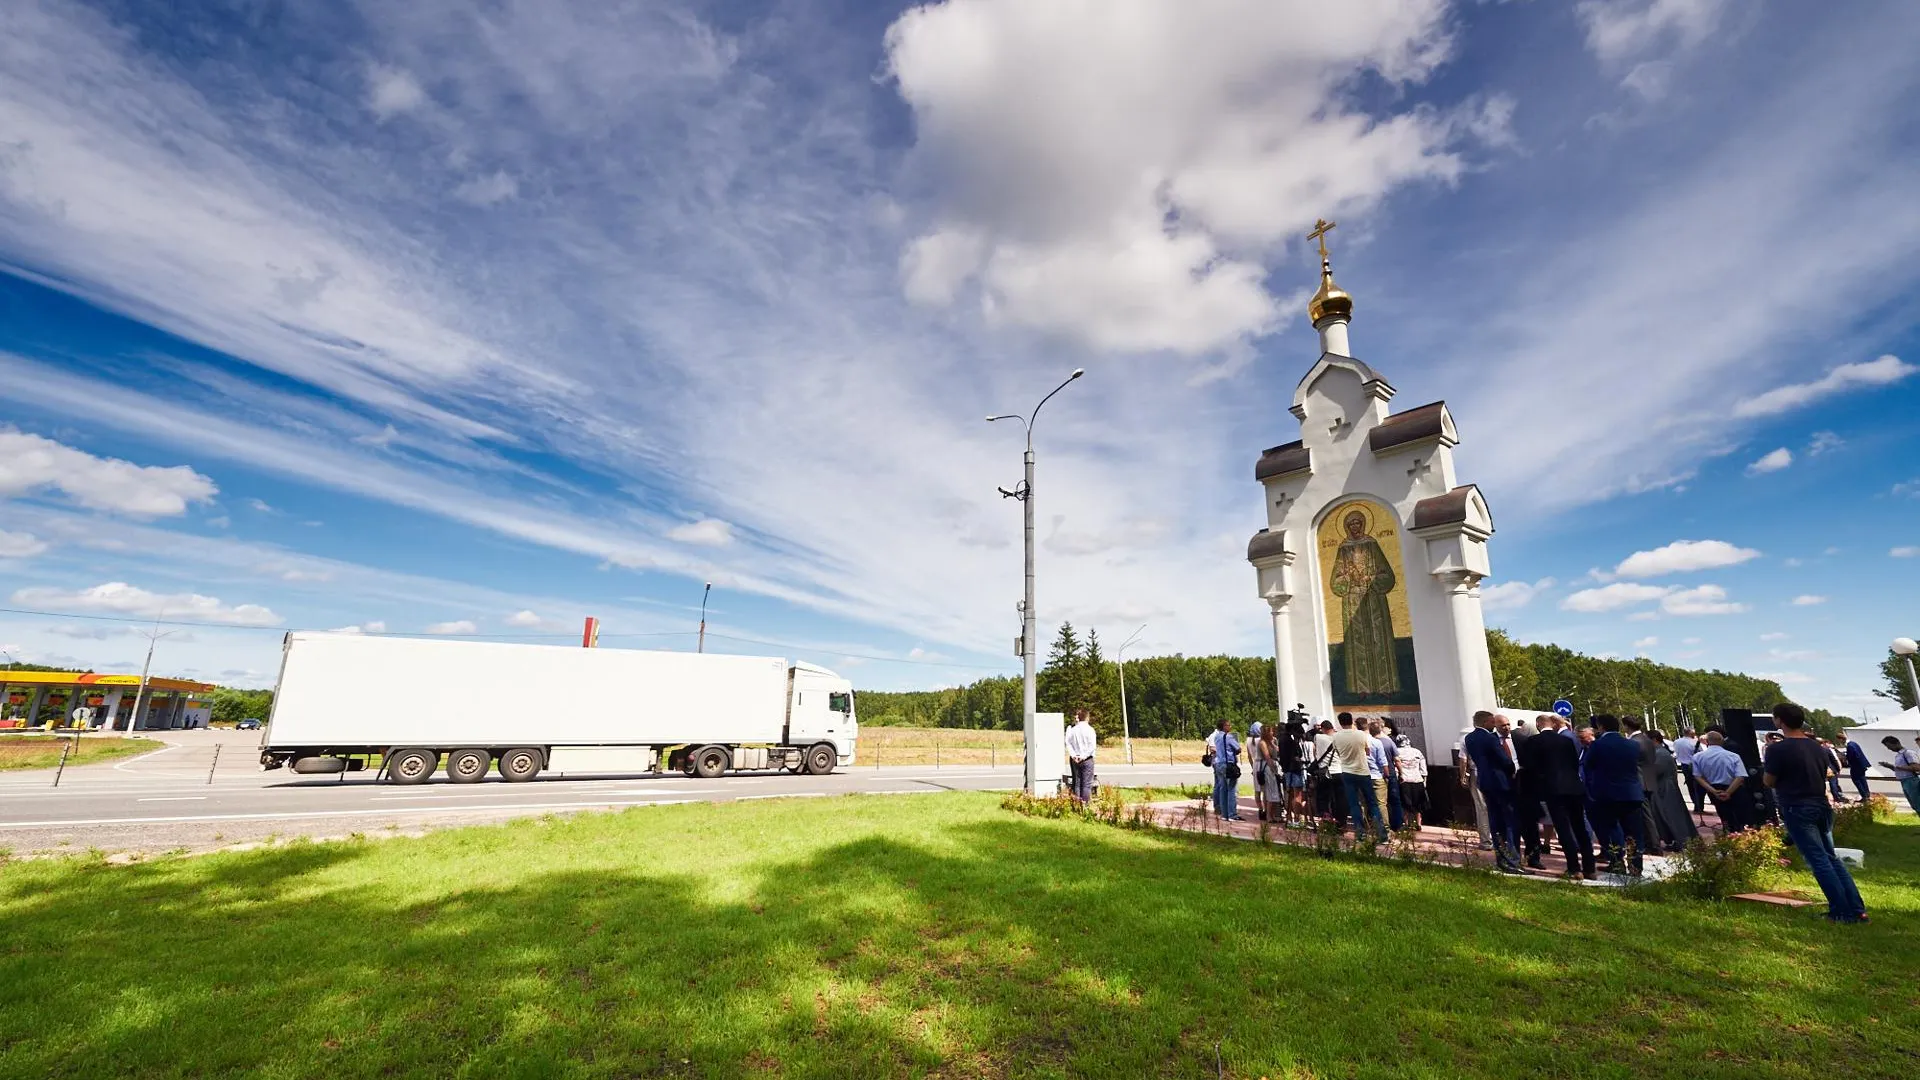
(1183, 696)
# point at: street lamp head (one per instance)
(1905, 646)
(1077, 372)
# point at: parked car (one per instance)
(249, 724)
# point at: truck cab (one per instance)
(820, 709)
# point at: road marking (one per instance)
(583, 794)
(339, 813)
(174, 798)
(121, 766)
(794, 795)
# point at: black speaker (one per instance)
(1742, 738)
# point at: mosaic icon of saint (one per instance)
(1362, 577)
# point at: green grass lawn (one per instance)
(43, 751)
(927, 935)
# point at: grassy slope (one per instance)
(43, 751)
(931, 935)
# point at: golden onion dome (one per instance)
(1331, 301)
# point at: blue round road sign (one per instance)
(1563, 707)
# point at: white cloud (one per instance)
(1620, 594)
(1904, 552)
(20, 545)
(525, 618)
(1771, 461)
(1808, 600)
(707, 532)
(1700, 600)
(391, 91)
(1881, 372)
(1774, 636)
(374, 627)
(1646, 642)
(1618, 30)
(120, 598)
(487, 190)
(1673, 600)
(261, 506)
(29, 463)
(1785, 678)
(1690, 641)
(347, 630)
(1512, 595)
(1113, 173)
(455, 627)
(1683, 556)
(1644, 616)
(1824, 441)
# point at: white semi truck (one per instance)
(345, 700)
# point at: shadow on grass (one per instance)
(975, 945)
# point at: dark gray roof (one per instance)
(1266, 544)
(1448, 509)
(1425, 422)
(1281, 460)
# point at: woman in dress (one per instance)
(1266, 773)
(1669, 809)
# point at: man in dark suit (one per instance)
(1617, 797)
(1493, 772)
(1550, 771)
(1635, 730)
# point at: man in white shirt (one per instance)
(1080, 744)
(1684, 748)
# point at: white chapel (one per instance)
(1373, 553)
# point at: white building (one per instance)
(1361, 488)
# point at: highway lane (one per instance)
(164, 801)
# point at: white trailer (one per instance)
(344, 700)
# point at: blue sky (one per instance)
(480, 319)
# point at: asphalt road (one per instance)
(186, 796)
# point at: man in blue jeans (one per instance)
(1226, 771)
(1796, 772)
(1350, 748)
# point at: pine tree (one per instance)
(1060, 680)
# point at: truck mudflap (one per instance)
(270, 760)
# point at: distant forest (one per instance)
(1182, 696)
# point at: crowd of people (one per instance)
(1607, 793)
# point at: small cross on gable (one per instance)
(1281, 502)
(1421, 467)
(1339, 426)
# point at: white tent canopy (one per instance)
(1904, 726)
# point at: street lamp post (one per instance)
(1126, 726)
(702, 645)
(1029, 693)
(140, 695)
(1905, 647)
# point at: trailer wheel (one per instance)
(412, 766)
(468, 766)
(822, 758)
(709, 762)
(521, 763)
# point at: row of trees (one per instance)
(1182, 696)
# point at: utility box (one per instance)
(1046, 753)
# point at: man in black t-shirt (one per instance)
(1796, 772)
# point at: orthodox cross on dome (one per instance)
(1320, 229)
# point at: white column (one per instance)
(1333, 337)
(1469, 644)
(1283, 684)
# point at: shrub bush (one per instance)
(1854, 818)
(1743, 862)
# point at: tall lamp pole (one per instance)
(1905, 647)
(140, 695)
(702, 646)
(1029, 692)
(1126, 726)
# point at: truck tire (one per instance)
(468, 766)
(520, 764)
(412, 766)
(821, 759)
(709, 761)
